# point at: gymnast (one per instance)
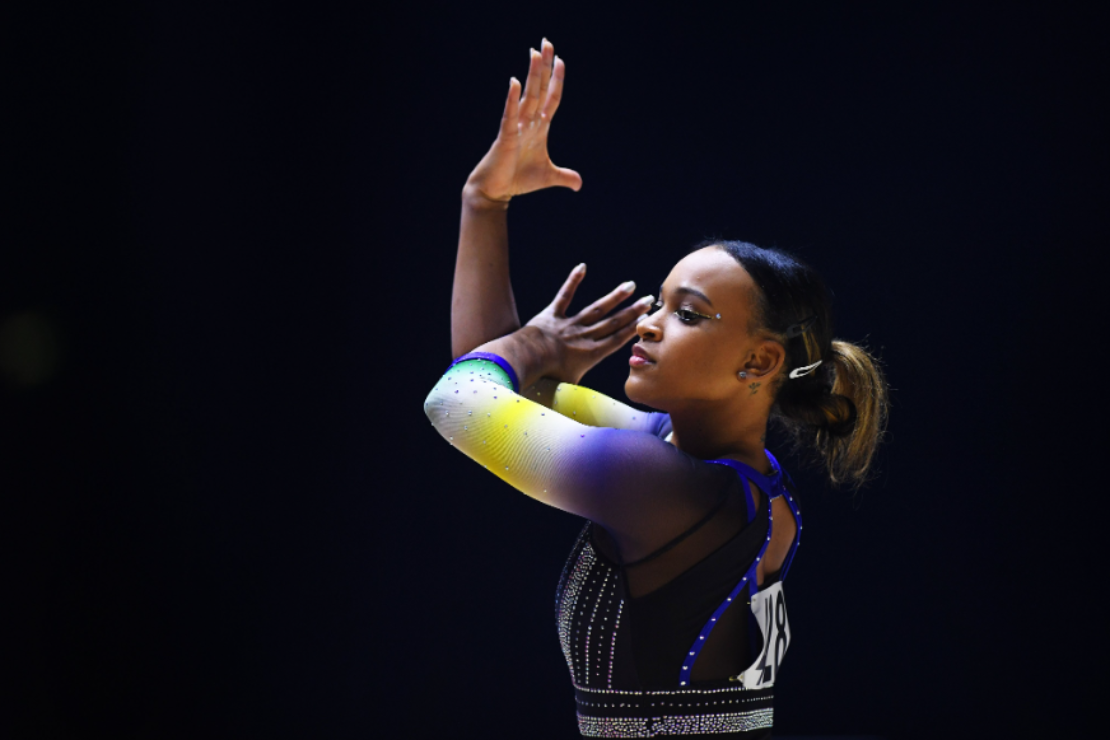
(670, 610)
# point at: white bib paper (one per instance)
(769, 608)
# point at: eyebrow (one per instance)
(688, 291)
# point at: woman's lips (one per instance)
(639, 358)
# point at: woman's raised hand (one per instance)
(581, 341)
(518, 161)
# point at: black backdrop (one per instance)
(225, 289)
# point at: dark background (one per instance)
(224, 293)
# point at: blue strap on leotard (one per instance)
(775, 487)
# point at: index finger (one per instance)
(510, 116)
(594, 312)
(555, 89)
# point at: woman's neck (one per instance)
(712, 433)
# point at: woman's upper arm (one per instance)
(616, 477)
(594, 408)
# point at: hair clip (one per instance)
(801, 371)
(801, 327)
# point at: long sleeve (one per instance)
(596, 409)
(624, 479)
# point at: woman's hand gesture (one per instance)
(579, 342)
(518, 161)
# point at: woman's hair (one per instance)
(837, 411)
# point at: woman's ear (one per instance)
(765, 360)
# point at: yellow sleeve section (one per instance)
(525, 444)
(585, 453)
(587, 406)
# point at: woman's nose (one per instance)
(647, 327)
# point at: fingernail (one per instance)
(641, 318)
(581, 267)
(646, 300)
(628, 287)
(545, 41)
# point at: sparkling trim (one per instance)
(565, 614)
(568, 566)
(712, 723)
(629, 704)
(756, 719)
(590, 628)
(662, 692)
(613, 727)
(613, 643)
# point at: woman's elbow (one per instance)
(435, 407)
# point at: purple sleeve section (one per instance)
(661, 424)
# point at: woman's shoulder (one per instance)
(661, 425)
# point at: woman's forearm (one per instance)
(482, 304)
(532, 353)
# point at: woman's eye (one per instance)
(687, 315)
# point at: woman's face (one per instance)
(690, 359)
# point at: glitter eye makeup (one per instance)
(685, 315)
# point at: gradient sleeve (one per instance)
(613, 476)
(595, 409)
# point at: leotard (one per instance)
(672, 541)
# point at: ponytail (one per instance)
(844, 422)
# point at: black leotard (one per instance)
(654, 646)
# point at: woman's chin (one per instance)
(636, 389)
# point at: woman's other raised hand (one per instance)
(518, 161)
(577, 343)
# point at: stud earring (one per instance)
(743, 373)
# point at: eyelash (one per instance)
(684, 315)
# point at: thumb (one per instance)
(568, 178)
